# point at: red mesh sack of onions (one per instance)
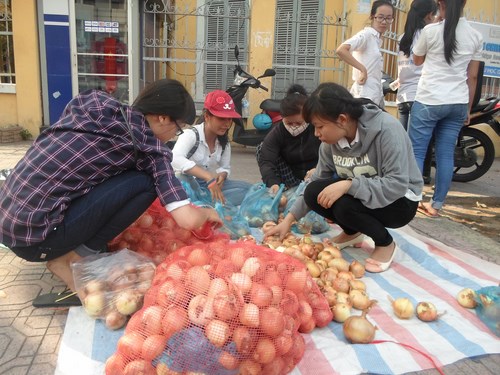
(155, 234)
(111, 286)
(222, 308)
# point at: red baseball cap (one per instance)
(220, 104)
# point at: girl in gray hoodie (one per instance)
(379, 184)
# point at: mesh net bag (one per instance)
(155, 234)
(222, 308)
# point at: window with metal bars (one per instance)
(7, 69)
(226, 25)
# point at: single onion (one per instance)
(249, 367)
(251, 266)
(197, 280)
(467, 298)
(261, 295)
(339, 263)
(341, 285)
(95, 304)
(307, 326)
(242, 281)
(359, 299)
(358, 330)
(227, 304)
(249, 315)
(357, 269)
(426, 311)
(198, 257)
(228, 361)
(296, 281)
(265, 351)
(115, 320)
(245, 339)
(402, 307)
(357, 284)
(128, 302)
(200, 310)
(313, 268)
(174, 320)
(341, 312)
(217, 286)
(322, 317)
(343, 297)
(153, 346)
(217, 332)
(272, 321)
(330, 295)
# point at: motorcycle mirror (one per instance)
(268, 73)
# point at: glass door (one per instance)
(100, 57)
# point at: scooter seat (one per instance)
(270, 105)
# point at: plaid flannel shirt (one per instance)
(89, 144)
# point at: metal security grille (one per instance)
(7, 71)
(193, 44)
(302, 30)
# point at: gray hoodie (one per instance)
(381, 164)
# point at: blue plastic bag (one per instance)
(488, 307)
(233, 223)
(313, 222)
(200, 196)
(260, 205)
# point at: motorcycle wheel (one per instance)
(474, 140)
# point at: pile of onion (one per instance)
(338, 280)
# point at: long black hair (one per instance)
(415, 21)
(167, 97)
(329, 100)
(452, 16)
(294, 100)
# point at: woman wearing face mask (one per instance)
(290, 149)
(362, 52)
(204, 152)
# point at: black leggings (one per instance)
(353, 217)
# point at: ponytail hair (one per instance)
(452, 15)
(329, 100)
(294, 100)
(415, 21)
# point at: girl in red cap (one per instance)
(204, 151)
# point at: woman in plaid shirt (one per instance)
(93, 173)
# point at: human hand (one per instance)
(280, 229)
(216, 192)
(221, 177)
(363, 75)
(309, 174)
(213, 217)
(332, 192)
(274, 189)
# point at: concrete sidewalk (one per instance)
(30, 337)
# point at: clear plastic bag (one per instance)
(488, 307)
(260, 205)
(111, 286)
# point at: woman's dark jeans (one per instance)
(353, 217)
(95, 218)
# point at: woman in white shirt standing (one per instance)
(421, 13)
(450, 51)
(362, 52)
(204, 151)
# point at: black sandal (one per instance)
(66, 298)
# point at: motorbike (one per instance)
(270, 107)
(475, 151)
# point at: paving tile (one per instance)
(49, 344)
(30, 346)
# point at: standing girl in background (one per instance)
(362, 52)
(290, 149)
(422, 12)
(450, 51)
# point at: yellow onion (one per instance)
(466, 298)
(402, 307)
(427, 312)
(358, 330)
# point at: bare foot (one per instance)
(61, 267)
(343, 237)
(382, 254)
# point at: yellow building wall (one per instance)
(24, 108)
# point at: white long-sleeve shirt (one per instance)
(215, 162)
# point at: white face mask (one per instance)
(296, 130)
